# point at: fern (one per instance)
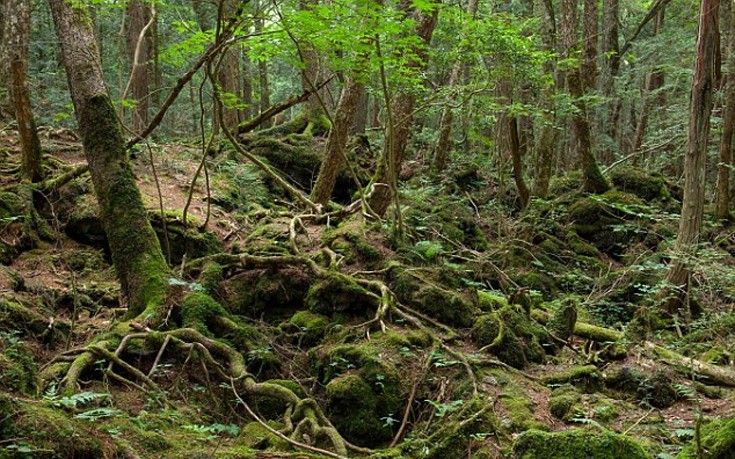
(79, 400)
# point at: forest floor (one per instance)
(485, 341)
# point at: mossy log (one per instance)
(716, 375)
(577, 443)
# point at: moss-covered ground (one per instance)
(468, 337)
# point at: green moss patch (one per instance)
(576, 444)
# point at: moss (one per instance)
(199, 310)
(254, 435)
(339, 293)
(586, 377)
(349, 241)
(268, 293)
(490, 301)
(568, 183)
(655, 388)
(184, 239)
(310, 327)
(562, 323)
(47, 429)
(606, 221)
(353, 408)
(578, 443)
(717, 441)
(18, 368)
(452, 307)
(519, 410)
(211, 277)
(639, 182)
(564, 402)
(486, 330)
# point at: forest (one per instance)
(367, 229)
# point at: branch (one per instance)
(658, 6)
(250, 125)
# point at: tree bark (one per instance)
(700, 108)
(594, 182)
(337, 140)
(654, 82)
(139, 13)
(547, 133)
(608, 72)
(136, 252)
(17, 30)
(722, 200)
(590, 35)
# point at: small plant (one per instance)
(79, 400)
(442, 409)
(99, 413)
(389, 421)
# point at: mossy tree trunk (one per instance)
(609, 70)
(337, 140)
(17, 19)
(135, 250)
(695, 162)
(722, 203)
(594, 182)
(547, 133)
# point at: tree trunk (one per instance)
(337, 140)
(700, 108)
(136, 252)
(397, 134)
(359, 124)
(264, 96)
(4, 86)
(608, 72)
(139, 13)
(17, 30)
(247, 88)
(594, 182)
(547, 132)
(722, 201)
(654, 82)
(515, 154)
(313, 72)
(590, 35)
(441, 153)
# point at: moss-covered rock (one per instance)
(639, 182)
(338, 293)
(353, 407)
(183, 239)
(266, 293)
(350, 241)
(307, 327)
(717, 442)
(456, 307)
(654, 388)
(47, 431)
(564, 403)
(604, 220)
(576, 444)
(254, 435)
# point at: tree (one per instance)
(136, 252)
(547, 131)
(722, 202)
(441, 153)
(401, 110)
(140, 47)
(706, 74)
(594, 182)
(17, 20)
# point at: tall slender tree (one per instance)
(722, 202)
(706, 74)
(16, 36)
(594, 182)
